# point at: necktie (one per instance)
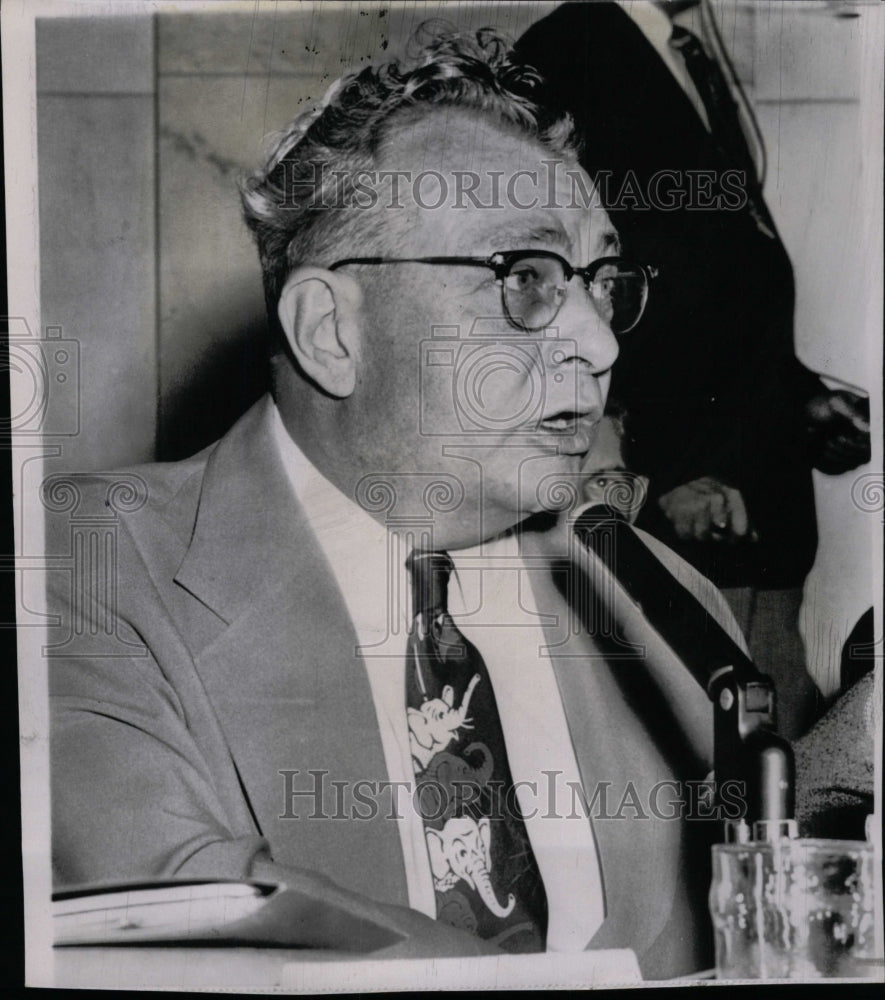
(722, 114)
(485, 875)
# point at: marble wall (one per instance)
(96, 147)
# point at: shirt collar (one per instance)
(365, 558)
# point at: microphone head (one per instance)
(597, 514)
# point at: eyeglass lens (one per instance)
(535, 288)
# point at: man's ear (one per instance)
(318, 311)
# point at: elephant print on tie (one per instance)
(462, 850)
(433, 727)
(485, 877)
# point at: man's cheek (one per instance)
(435, 412)
(501, 388)
(502, 396)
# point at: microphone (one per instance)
(693, 634)
(746, 746)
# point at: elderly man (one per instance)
(356, 659)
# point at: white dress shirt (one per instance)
(489, 588)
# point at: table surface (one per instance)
(263, 969)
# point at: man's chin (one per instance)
(553, 485)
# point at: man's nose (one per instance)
(581, 323)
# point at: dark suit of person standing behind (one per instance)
(725, 421)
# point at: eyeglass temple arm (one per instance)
(469, 261)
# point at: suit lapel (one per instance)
(290, 691)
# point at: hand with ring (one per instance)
(706, 509)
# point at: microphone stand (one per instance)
(747, 751)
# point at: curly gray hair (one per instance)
(464, 71)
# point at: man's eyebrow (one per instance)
(614, 466)
(610, 242)
(519, 236)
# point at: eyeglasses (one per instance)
(534, 284)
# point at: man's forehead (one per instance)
(451, 139)
(476, 178)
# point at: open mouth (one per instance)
(574, 430)
(567, 422)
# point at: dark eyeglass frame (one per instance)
(502, 261)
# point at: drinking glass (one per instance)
(796, 909)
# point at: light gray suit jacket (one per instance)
(208, 650)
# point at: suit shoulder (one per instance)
(125, 491)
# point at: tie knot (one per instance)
(430, 573)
